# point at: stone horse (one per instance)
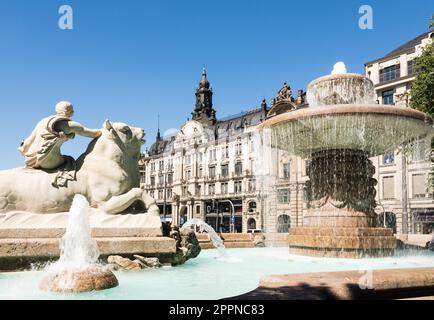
(107, 174)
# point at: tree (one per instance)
(422, 88)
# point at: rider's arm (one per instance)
(69, 127)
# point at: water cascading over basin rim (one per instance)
(340, 128)
(346, 126)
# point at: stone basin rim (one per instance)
(337, 76)
(346, 109)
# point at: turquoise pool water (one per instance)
(208, 276)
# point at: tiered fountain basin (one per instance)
(372, 128)
(338, 132)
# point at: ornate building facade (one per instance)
(206, 170)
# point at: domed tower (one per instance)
(204, 112)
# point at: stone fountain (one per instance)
(124, 220)
(340, 129)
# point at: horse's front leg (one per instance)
(118, 204)
(150, 205)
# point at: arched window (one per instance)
(283, 223)
(251, 224)
(252, 206)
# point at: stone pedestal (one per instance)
(340, 219)
(342, 242)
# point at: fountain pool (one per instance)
(207, 277)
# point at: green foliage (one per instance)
(422, 89)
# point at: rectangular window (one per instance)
(152, 181)
(153, 167)
(212, 172)
(388, 158)
(161, 165)
(390, 73)
(286, 168)
(226, 152)
(418, 185)
(238, 149)
(187, 174)
(410, 69)
(225, 171)
(169, 194)
(283, 195)
(160, 194)
(388, 97)
(197, 209)
(212, 154)
(211, 189)
(224, 187)
(170, 179)
(238, 186)
(238, 168)
(198, 190)
(389, 187)
(252, 185)
(160, 179)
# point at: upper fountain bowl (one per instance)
(348, 88)
(342, 114)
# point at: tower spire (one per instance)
(204, 83)
(158, 126)
(204, 111)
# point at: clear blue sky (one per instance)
(130, 60)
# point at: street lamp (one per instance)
(164, 195)
(165, 176)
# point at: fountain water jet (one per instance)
(203, 226)
(77, 269)
(339, 131)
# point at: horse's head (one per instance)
(128, 139)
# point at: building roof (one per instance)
(404, 48)
(224, 128)
(236, 123)
(161, 146)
